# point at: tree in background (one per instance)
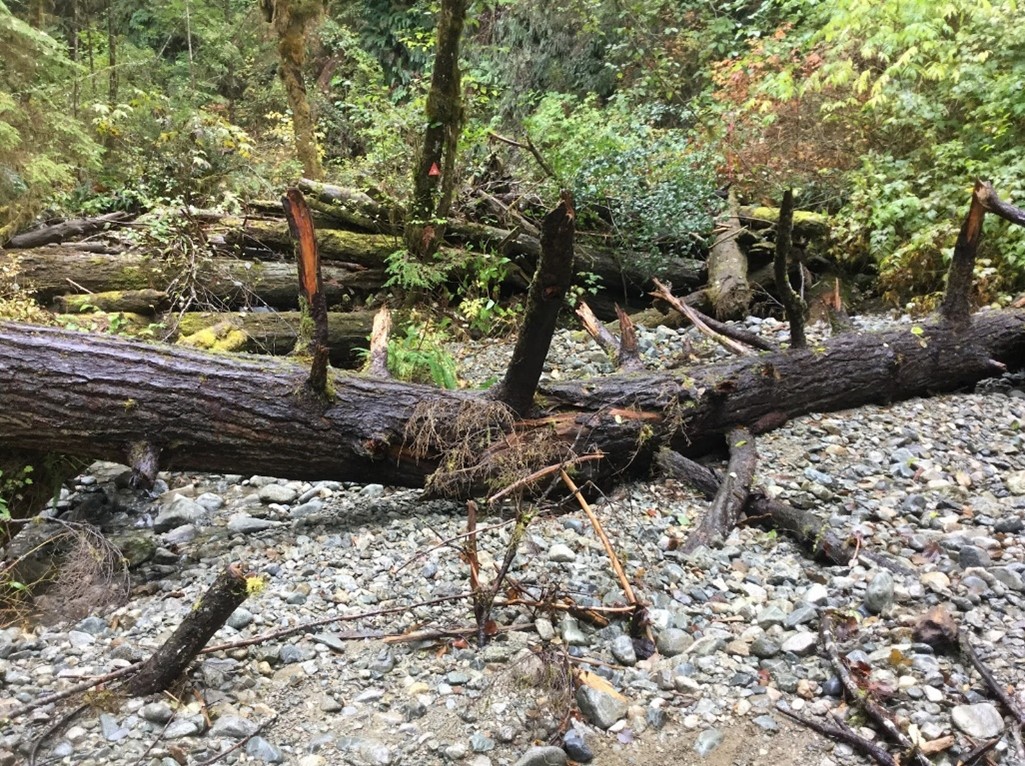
(41, 144)
(434, 169)
(291, 18)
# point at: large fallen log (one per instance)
(103, 397)
(53, 271)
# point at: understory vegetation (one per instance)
(879, 113)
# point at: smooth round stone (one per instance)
(543, 756)
(707, 741)
(561, 553)
(879, 594)
(981, 721)
(673, 641)
(278, 493)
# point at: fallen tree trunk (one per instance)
(100, 397)
(276, 332)
(58, 232)
(53, 271)
(728, 287)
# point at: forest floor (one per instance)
(938, 485)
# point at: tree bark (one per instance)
(229, 282)
(209, 614)
(793, 304)
(290, 19)
(545, 298)
(731, 497)
(60, 232)
(434, 171)
(727, 271)
(94, 396)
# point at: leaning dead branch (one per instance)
(617, 565)
(957, 301)
(728, 506)
(723, 334)
(793, 303)
(549, 286)
(812, 533)
(214, 607)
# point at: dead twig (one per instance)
(69, 692)
(303, 627)
(542, 473)
(721, 333)
(841, 732)
(617, 566)
(863, 700)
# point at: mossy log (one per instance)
(268, 239)
(230, 282)
(95, 397)
(275, 332)
(147, 302)
(807, 224)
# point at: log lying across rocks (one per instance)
(100, 397)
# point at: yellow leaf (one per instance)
(596, 682)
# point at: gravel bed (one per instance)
(938, 485)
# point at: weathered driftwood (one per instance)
(59, 232)
(731, 497)
(803, 527)
(95, 396)
(209, 614)
(53, 271)
(728, 287)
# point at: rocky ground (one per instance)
(938, 485)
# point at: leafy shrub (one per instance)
(419, 355)
(650, 185)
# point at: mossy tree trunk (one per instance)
(291, 19)
(433, 174)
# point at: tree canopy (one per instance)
(878, 113)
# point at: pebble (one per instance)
(600, 708)
(576, 748)
(707, 741)
(543, 756)
(926, 483)
(879, 594)
(979, 721)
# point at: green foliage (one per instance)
(930, 95)
(42, 146)
(420, 356)
(10, 488)
(157, 152)
(650, 185)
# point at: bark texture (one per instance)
(728, 287)
(93, 397)
(229, 282)
(208, 615)
(434, 172)
(544, 300)
(290, 19)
